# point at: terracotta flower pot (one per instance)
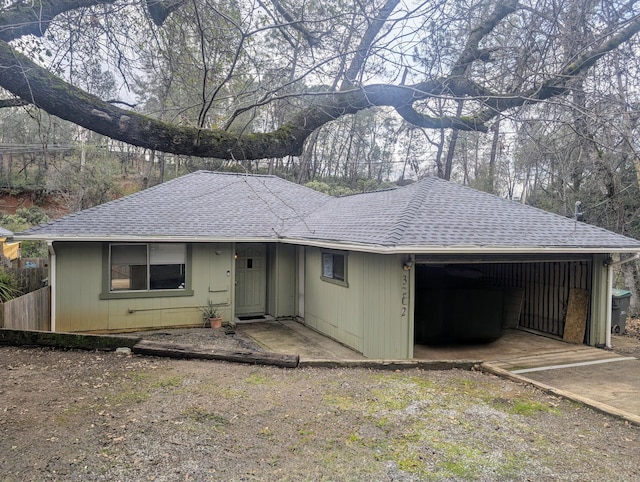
(215, 322)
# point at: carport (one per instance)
(474, 299)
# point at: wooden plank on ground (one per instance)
(576, 320)
(65, 340)
(175, 350)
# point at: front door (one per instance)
(251, 279)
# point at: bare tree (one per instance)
(370, 46)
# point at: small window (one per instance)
(145, 267)
(334, 267)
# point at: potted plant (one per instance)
(210, 313)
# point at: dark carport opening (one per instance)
(453, 305)
(461, 302)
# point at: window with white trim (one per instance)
(147, 267)
(334, 266)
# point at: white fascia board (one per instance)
(148, 239)
(337, 245)
(459, 249)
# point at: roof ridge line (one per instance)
(235, 174)
(414, 204)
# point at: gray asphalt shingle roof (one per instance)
(429, 214)
(199, 205)
(438, 213)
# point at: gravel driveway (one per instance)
(98, 416)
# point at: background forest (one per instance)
(535, 101)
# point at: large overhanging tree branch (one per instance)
(34, 18)
(34, 84)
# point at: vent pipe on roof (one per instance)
(578, 211)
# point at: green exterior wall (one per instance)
(79, 285)
(373, 314)
(281, 280)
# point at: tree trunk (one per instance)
(452, 145)
(491, 182)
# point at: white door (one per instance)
(251, 279)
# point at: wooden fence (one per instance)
(29, 279)
(29, 312)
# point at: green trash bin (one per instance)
(620, 300)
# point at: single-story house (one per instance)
(429, 262)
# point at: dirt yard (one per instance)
(94, 416)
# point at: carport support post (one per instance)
(608, 315)
(52, 285)
(610, 266)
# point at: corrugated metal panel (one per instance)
(545, 285)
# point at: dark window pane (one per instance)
(139, 277)
(338, 267)
(166, 276)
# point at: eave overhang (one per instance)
(349, 246)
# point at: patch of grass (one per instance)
(411, 462)
(459, 459)
(387, 399)
(202, 415)
(127, 397)
(256, 378)
(353, 438)
(107, 452)
(424, 450)
(512, 466)
(231, 393)
(464, 460)
(468, 388)
(382, 422)
(398, 391)
(60, 420)
(531, 407)
(137, 376)
(341, 402)
(171, 382)
(522, 406)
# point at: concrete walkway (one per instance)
(608, 381)
(289, 336)
(602, 379)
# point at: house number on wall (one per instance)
(405, 293)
